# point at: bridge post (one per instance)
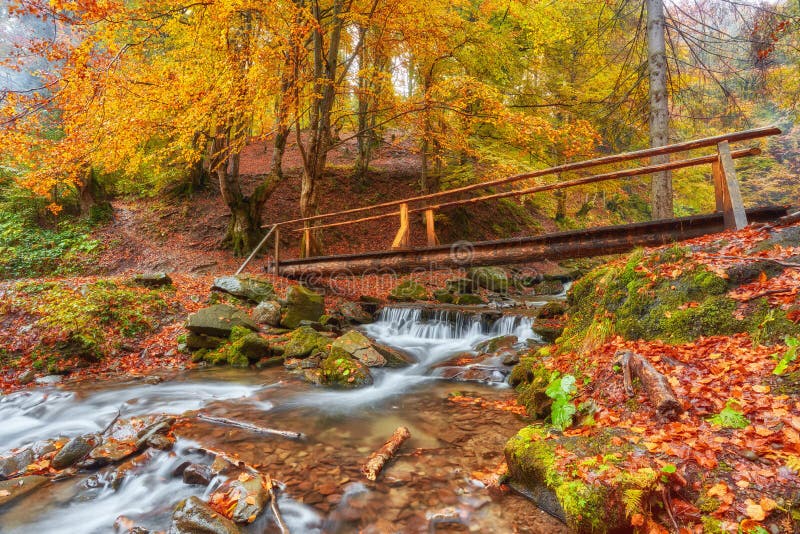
(277, 270)
(433, 240)
(726, 188)
(401, 240)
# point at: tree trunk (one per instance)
(661, 194)
(655, 385)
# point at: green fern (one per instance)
(632, 499)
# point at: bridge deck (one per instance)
(555, 246)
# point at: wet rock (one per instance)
(218, 321)
(744, 273)
(340, 369)
(491, 278)
(112, 451)
(313, 376)
(198, 474)
(302, 304)
(359, 347)
(304, 342)
(193, 516)
(460, 285)
(312, 362)
(251, 496)
(27, 377)
(496, 343)
(353, 312)
(369, 303)
(548, 333)
(49, 380)
(409, 291)
(483, 374)
(509, 356)
(159, 279)
(160, 442)
(272, 361)
(75, 450)
(199, 341)
(17, 487)
(394, 357)
(268, 312)
(253, 347)
(245, 287)
(15, 463)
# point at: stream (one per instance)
(433, 485)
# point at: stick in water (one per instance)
(378, 459)
(288, 434)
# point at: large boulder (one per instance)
(359, 347)
(491, 278)
(304, 342)
(459, 285)
(354, 312)
(268, 312)
(193, 516)
(409, 291)
(75, 450)
(152, 280)
(302, 304)
(496, 343)
(340, 369)
(245, 287)
(219, 320)
(199, 341)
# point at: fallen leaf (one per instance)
(767, 504)
(754, 511)
(637, 520)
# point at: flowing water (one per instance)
(435, 484)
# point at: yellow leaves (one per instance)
(718, 490)
(244, 477)
(754, 511)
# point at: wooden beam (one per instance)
(401, 240)
(719, 185)
(735, 216)
(255, 250)
(616, 158)
(277, 268)
(431, 228)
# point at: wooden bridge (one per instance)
(399, 257)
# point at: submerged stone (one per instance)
(17, 487)
(302, 304)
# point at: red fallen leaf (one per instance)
(637, 520)
(685, 510)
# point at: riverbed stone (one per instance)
(245, 287)
(304, 342)
(112, 451)
(75, 450)
(496, 343)
(353, 312)
(219, 320)
(193, 516)
(151, 280)
(359, 347)
(15, 463)
(198, 474)
(394, 357)
(17, 487)
(199, 341)
(491, 278)
(409, 291)
(251, 496)
(340, 369)
(302, 304)
(268, 312)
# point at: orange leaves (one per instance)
(506, 406)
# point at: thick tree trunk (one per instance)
(661, 195)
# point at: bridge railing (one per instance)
(728, 199)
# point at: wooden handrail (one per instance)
(616, 158)
(638, 171)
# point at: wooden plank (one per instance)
(401, 240)
(562, 245)
(431, 228)
(255, 250)
(307, 241)
(734, 208)
(719, 185)
(703, 160)
(616, 158)
(277, 266)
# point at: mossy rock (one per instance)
(409, 291)
(491, 278)
(243, 348)
(152, 280)
(744, 273)
(469, 300)
(531, 379)
(200, 341)
(444, 296)
(552, 309)
(548, 332)
(304, 342)
(302, 304)
(360, 347)
(548, 287)
(584, 507)
(245, 287)
(459, 285)
(341, 370)
(496, 343)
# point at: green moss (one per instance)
(342, 370)
(712, 525)
(409, 290)
(243, 348)
(707, 504)
(304, 342)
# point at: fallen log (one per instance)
(273, 497)
(655, 385)
(378, 459)
(288, 434)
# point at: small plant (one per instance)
(561, 390)
(730, 416)
(789, 356)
